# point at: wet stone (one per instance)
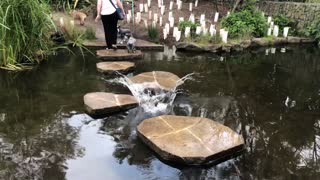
(112, 67)
(190, 140)
(98, 104)
(158, 79)
(119, 54)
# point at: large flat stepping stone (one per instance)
(112, 67)
(189, 140)
(160, 79)
(140, 45)
(119, 54)
(98, 104)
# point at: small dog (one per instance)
(131, 45)
(123, 34)
(78, 15)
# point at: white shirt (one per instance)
(107, 8)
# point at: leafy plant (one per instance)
(153, 33)
(283, 21)
(314, 30)
(245, 22)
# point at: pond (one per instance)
(272, 99)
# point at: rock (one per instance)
(183, 46)
(261, 42)
(98, 104)
(111, 67)
(119, 54)
(189, 140)
(158, 79)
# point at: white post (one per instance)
(141, 7)
(167, 26)
(198, 30)
(162, 8)
(224, 36)
(154, 24)
(145, 23)
(187, 32)
(138, 18)
(159, 4)
(155, 17)
(150, 15)
(276, 31)
(181, 19)
(269, 19)
(175, 30)
(191, 18)
(216, 17)
(171, 5)
(190, 7)
(202, 18)
(165, 34)
(178, 35)
(179, 4)
(171, 21)
(271, 24)
(128, 18)
(160, 21)
(149, 3)
(273, 50)
(146, 9)
(170, 15)
(285, 31)
(196, 3)
(228, 13)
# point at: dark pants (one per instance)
(110, 28)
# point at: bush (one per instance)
(183, 24)
(153, 34)
(283, 21)
(90, 33)
(314, 30)
(245, 22)
(24, 31)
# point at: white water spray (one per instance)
(151, 96)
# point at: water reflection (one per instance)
(273, 101)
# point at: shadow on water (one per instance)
(272, 99)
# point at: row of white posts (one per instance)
(274, 29)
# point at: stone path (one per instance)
(119, 54)
(189, 140)
(112, 67)
(100, 103)
(140, 45)
(161, 79)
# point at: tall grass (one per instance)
(25, 27)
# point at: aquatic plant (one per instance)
(25, 28)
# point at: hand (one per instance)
(97, 18)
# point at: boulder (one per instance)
(190, 140)
(98, 104)
(158, 79)
(111, 67)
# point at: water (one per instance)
(272, 99)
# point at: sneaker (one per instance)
(114, 47)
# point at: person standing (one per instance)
(107, 13)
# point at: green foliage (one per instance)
(314, 30)
(24, 31)
(66, 5)
(90, 33)
(153, 34)
(283, 21)
(183, 24)
(245, 23)
(205, 39)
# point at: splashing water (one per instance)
(151, 96)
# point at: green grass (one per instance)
(24, 32)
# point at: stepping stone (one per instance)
(158, 79)
(119, 54)
(140, 45)
(98, 104)
(111, 67)
(190, 140)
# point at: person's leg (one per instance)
(105, 23)
(113, 28)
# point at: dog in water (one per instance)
(77, 15)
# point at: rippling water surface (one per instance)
(272, 99)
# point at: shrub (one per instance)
(241, 23)
(90, 33)
(183, 24)
(283, 21)
(314, 30)
(153, 33)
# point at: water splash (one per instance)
(151, 96)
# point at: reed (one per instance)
(25, 27)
